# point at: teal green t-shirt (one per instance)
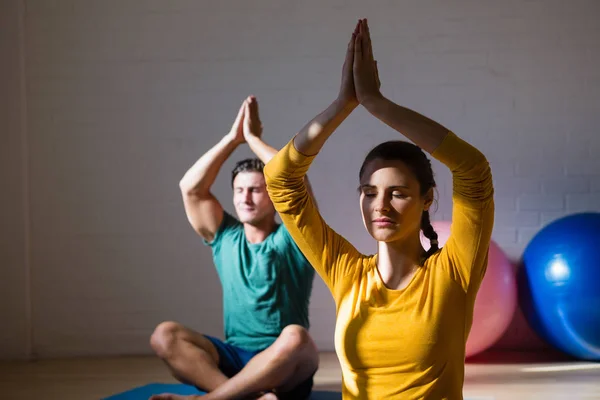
(266, 286)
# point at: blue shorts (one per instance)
(233, 359)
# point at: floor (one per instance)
(491, 376)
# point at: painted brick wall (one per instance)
(123, 96)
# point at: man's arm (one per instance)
(203, 210)
(252, 127)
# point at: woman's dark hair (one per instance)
(420, 166)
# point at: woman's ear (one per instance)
(428, 199)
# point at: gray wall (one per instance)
(116, 99)
(14, 233)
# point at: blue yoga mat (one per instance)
(144, 392)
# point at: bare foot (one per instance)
(167, 396)
(268, 396)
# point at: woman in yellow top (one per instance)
(404, 314)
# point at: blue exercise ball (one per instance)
(559, 284)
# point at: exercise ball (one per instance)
(559, 284)
(496, 300)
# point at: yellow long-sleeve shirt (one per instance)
(397, 344)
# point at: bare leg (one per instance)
(191, 357)
(289, 361)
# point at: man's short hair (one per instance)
(247, 165)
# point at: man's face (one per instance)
(250, 198)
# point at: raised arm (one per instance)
(252, 128)
(473, 205)
(424, 132)
(329, 253)
(203, 210)
(313, 135)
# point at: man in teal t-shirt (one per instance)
(266, 283)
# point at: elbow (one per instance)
(186, 188)
(479, 157)
(480, 167)
(484, 175)
(486, 184)
(183, 188)
(271, 173)
(475, 185)
(486, 171)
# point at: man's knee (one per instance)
(295, 339)
(164, 338)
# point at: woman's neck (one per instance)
(398, 261)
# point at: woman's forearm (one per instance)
(313, 135)
(422, 131)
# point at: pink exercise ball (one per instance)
(496, 301)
